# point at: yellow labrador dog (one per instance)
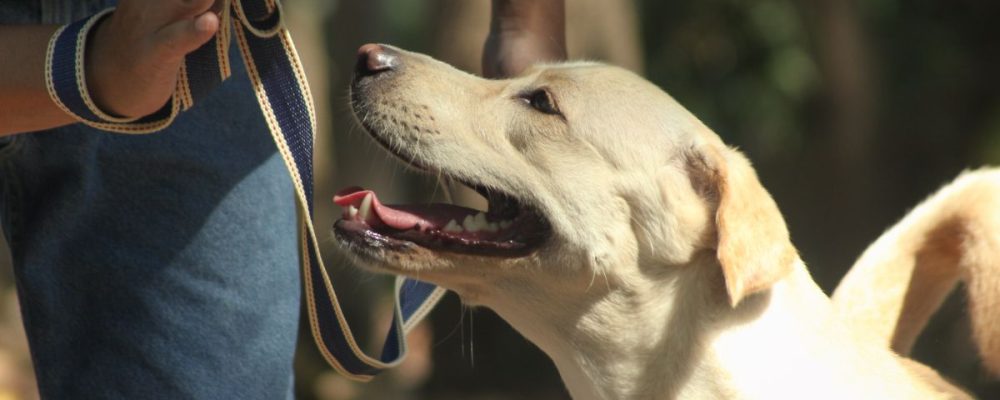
(640, 252)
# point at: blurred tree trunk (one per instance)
(597, 30)
(845, 63)
(841, 159)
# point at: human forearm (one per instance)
(25, 104)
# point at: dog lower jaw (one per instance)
(461, 273)
(381, 254)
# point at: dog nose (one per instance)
(375, 58)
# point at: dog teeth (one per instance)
(481, 221)
(453, 227)
(352, 212)
(476, 223)
(470, 224)
(366, 206)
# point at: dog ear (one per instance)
(753, 246)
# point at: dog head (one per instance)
(588, 169)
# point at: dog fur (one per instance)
(669, 273)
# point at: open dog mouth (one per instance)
(506, 229)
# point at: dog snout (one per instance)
(374, 59)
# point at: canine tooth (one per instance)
(352, 212)
(452, 227)
(366, 206)
(470, 224)
(505, 224)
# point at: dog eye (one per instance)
(542, 101)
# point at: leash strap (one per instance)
(283, 95)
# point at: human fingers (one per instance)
(175, 10)
(182, 37)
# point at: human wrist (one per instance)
(99, 68)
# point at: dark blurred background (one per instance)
(852, 112)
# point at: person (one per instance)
(147, 266)
(162, 265)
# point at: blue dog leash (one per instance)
(283, 95)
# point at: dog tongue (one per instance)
(402, 217)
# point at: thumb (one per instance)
(182, 37)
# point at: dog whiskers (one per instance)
(458, 328)
(472, 340)
(466, 310)
(593, 277)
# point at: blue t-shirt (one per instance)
(153, 266)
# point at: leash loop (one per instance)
(262, 19)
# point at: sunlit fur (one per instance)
(902, 278)
(669, 273)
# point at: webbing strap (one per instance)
(283, 94)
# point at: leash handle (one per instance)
(67, 84)
(283, 94)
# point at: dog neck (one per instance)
(626, 337)
(678, 337)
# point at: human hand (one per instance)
(133, 59)
(522, 33)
